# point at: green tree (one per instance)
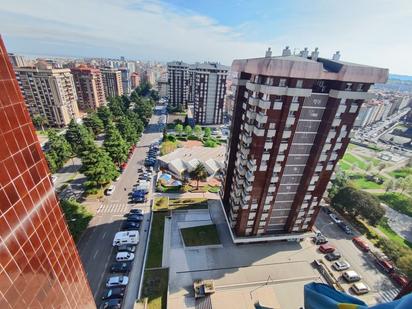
(405, 184)
(115, 145)
(197, 130)
(125, 103)
(128, 130)
(179, 129)
(39, 121)
(207, 132)
(199, 173)
(51, 161)
(188, 130)
(144, 110)
(389, 184)
(77, 217)
(105, 115)
(340, 181)
(78, 137)
(94, 123)
(115, 106)
(405, 264)
(59, 148)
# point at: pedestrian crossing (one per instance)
(387, 296)
(114, 208)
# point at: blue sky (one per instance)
(374, 32)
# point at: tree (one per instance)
(39, 121)
(115, 106)
(179, 129)
(188, 130)
(115, 145)
(199, 173)
(405, 184)
(405, 264)
(144, 109)
(59, 149)
(128, 131)
(197, 130)
(94, 123)
(77, 217)
(125, 103)
(78, 137)
(105, 115)
(51, 161)
(389, 184)
(207, 132)
(340, 181)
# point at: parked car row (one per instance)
(152, 154)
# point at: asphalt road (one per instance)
(95, 246)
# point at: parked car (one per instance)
(135, 218)
(361, 244)
(385, 264)
(334, 218)
(360, 288)
(113, 293)
(134, 211)
(333, 256)
(345, 228)
(399, 279)
(124, 256)
(351, 276)
(130, 225)
(120, 267)
(115, 303)
(320, 240)
(117, 281)
(326, 210)
(126, 248)
(326, 248)
(341, 265)
(110, 190)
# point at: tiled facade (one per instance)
(290, 124)
(39, 263)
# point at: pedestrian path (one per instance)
(115, 208)
(387, 296)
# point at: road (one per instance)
(382, 289)
(95, 246)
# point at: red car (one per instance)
(361, 244)
(386, 265)
(400, 279)
(326, 248)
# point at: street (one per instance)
(95, 246)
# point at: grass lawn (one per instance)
(200, 235)
(344, 166)
(392, 235)
(373, 160)
(165, 204)
(360, 182)
(401, 173)
(154, 257)
(353, 160)
(397, 201)
(155, 287)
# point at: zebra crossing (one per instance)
(114, 208)
(387, 296)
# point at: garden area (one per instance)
(204, 235)
(165, 203)
(397, 201)
(155, 287)
(77, 217)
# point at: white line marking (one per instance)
(95, 254)
(104, 234)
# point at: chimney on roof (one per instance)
(268, 53)
(336, 56)
(286, 51)
(315, 54)
(304, 53)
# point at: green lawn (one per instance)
(401, 173)
(397, 201)
(392, 235)
(374, 161)
(164, 203)
(200, 235)
(154, 257)
(353, 160)
(155, 287)
(360, 182)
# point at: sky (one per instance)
(373, 32)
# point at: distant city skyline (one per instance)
(370, 32)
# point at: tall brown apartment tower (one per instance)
(178, 78)
(291, 123)
(112, 82)
(39, 263)
(207, 87)
(89, 87)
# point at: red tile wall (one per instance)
(39, 263)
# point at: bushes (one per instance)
(397, 201)
(167, 147)
(77, 217)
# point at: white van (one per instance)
(110, 190)
(351, 276)
(360, 288)
(126, 238)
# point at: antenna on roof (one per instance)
(268, 53)
(336, 56)
(286, 51)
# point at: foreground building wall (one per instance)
(290, 125)
(39, 263)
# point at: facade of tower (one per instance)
(290, 124)
(89, 87)
(207, 89)
(112, 82)
(49, 93)
(126, 81)
(39, 263)
(178, 79)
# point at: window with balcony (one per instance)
(295, 100)
(348, 86)
(359, 87)
(272, 125)
(282, 82)
(299, 83)
(269, 81)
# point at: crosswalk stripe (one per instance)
(388, 295)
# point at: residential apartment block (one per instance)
(40, 265)
(126, 82)
(49, 93)
(178, 79)
(291, 123)
(207, 89)
(89, 87)
(112, 82)
(135, 80)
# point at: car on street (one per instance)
(113, 293)
(326, 248)
(326, 210)
(385, 264)
(334, 218)
(351, 276)
(117, 281)
(361, 244)
(130, 226)
(134, 211)
(110, 190)
(126, 248)
(139, 199)
(333, 256)
(345, 228)
(360, 288)
(120, 267)
(124, 256)
(115, 303)
(319, 239)
(341, 265)
(399, 279)
(135, 218)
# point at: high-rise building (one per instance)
(178, 79)
(89, 87)
(207, 89)
(17, 60)
(126, 84)
(39, 263)
(162, 87)
(291, 124)
(49, 93)
(135, 80)
(112, 82)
